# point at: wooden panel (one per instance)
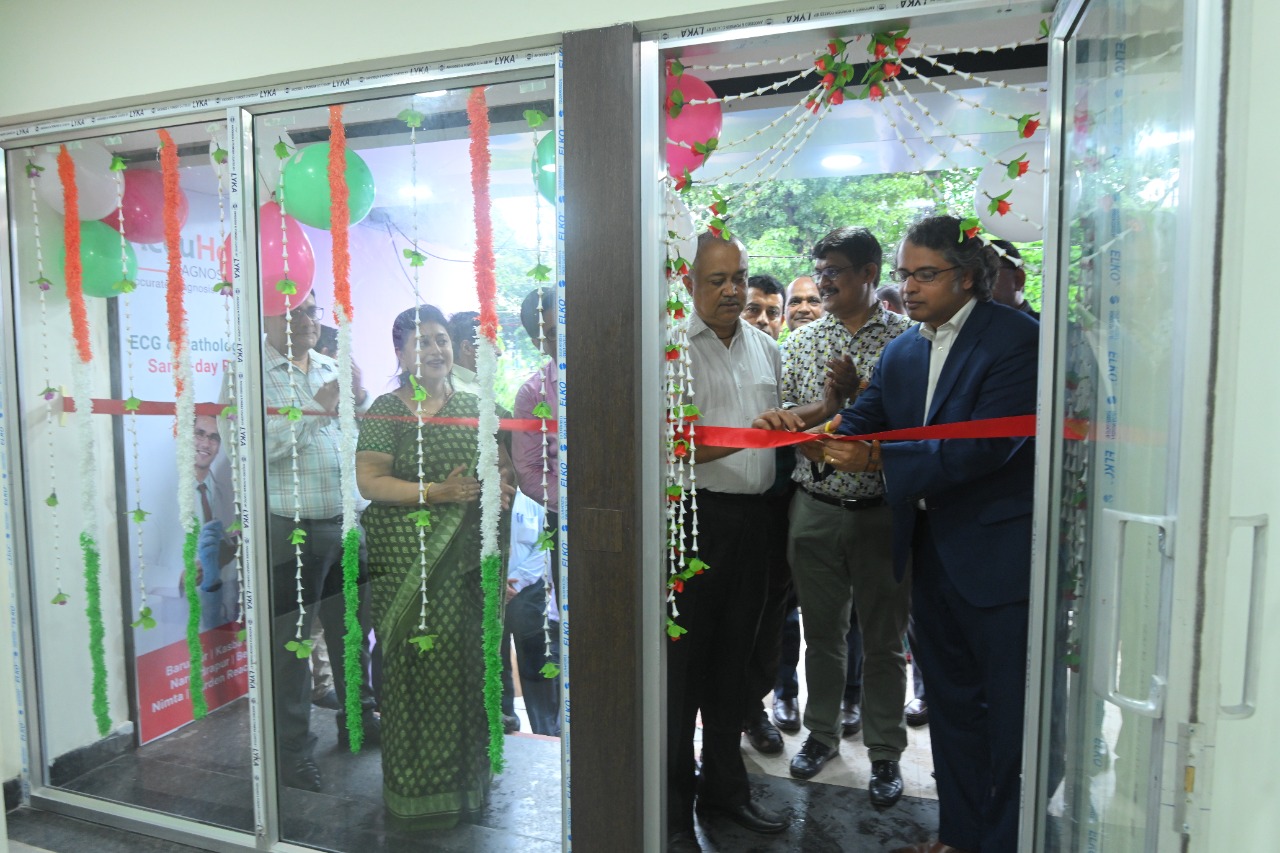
(602, 335)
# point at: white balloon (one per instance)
(1022, 224)
(95, 184)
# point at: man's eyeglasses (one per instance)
(922, 275)
(314, 313)
(830, 273)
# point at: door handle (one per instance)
(1106, 617)
(1253, 635)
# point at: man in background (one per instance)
(764, 304)
(804, 305)
(1011, 279)
(462, 332)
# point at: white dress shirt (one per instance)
(941, 342)
(732, 386)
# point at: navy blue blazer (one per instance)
(978, 491)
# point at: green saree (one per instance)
(434, 729)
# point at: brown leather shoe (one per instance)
(928, 847)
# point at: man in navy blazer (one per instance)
(962, 516)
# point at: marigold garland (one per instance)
(339, 210)
(486, 283)
(173, 250)
(184, 407)
(73, 268)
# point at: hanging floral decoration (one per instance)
(88, 474)
(340, 223)
(43, 285)
(137, 515)
(540, 274)
(185, 410)
(492, 575)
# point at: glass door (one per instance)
(1120, 536)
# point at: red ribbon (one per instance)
(1020, 426)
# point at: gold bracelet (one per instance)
(426, 493)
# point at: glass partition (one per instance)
(119, 616)
(432, 559)
(411, 500)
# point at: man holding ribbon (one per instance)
(961, 519)
(838, 545)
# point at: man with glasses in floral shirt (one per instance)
(839, 542)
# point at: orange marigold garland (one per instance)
(339, 209)
(486, 282)
(73, 268)
(339, 223)
(74, 272)
(186, 414)
(492, 576)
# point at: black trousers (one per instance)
(321, 597)
(975, 660)
(707, 666)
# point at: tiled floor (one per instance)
(201, 772)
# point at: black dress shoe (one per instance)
(811, 758)
(886, 783)
(916, 713)
(510, 724)
(328, 699)
(372, 729)
(762, 735)
(302, 773)
(684, 841)
(786, 715)
(748, 816)
(850, 718)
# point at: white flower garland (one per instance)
(82, 388)
(346, 422)
(487, 446)
(42, 285)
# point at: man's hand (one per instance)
(780, 419)
(327, 397)
(842, 376)
(853, 456)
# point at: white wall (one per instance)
(60, 54)
(1244, 781)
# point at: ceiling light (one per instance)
(841, 162)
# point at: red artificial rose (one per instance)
(829, 80)
(1003, 207)
(673, 354)
(822, 63)
(678, 314)
(891, 70)
(677, 585)
(971, 233)
(715, 232)
(900, 44)
(876, 92)
(813, 106)
(837, 97)
(1030, 128)
(1023, 167)
(881, 51)
(684, 270)
(833, 48)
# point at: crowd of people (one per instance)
(873, 541)
(862, 543)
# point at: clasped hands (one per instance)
(460, 487)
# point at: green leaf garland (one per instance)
(352, 638)
(492, 581)
(199, 708)
(97, 633)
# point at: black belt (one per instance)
(851, 504)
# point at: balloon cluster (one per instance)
(106, 260)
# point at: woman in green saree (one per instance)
(434, 729)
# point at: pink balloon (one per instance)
(144, 207)
(696, 123)
(302, 262)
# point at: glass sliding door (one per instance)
(1124, 422)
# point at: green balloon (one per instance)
(100, 262)
(305, 178)
(544, 167)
